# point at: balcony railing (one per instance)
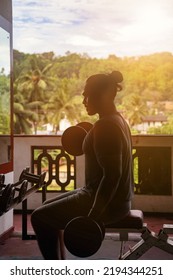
(60, 167)
(152, 156)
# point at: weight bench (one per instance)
(164, 242)
(133, 223)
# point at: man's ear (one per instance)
(105, 98)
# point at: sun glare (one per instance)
(150, 24)
(152, 19)
(97, 27)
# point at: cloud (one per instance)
(98, 27)
(5, 51)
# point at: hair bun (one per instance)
(116, 76)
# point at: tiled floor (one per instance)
(16, 248)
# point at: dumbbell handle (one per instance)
(29, 176)
(32, 178)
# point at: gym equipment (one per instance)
(21, 190)
(73, 137)
(8, 197)
(149, 240)
(85, 125)
(83, 236)
(7, 193)
(32, 178)
(36, 182)
(133, 223)
(72, 140)
(2, 179)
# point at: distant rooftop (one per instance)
(155, 118)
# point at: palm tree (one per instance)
(134, 108)
(22, 124)
(4, 103)
(4, 117)
(34, 85)
(63, 103)
(23, 116)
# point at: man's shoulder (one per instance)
(110, 121)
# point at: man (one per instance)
(108, 191)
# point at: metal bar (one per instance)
(44, 192)
(25, 235)
(24, 219)
(149, 240)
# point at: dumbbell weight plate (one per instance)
(83, 237)
(22, 190)
(22, 175)
(85, 125)
(72, 140)
(11, 198)
(2, 179)
(7, 198)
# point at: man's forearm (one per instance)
(105, 192)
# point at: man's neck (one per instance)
(108, 111)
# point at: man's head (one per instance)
(100, 91)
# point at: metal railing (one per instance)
(152, 156)
(60, 167)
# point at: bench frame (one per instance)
(148, 240)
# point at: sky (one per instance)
(4, 51)
(96, 27)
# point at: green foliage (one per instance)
(49, 87)
(164, 129)
(4, 103)
(135, 108)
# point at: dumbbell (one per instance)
(32, 178)
(73, 137)
(21, 188)
(2, 179)
(7, 193)
(83, 236)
